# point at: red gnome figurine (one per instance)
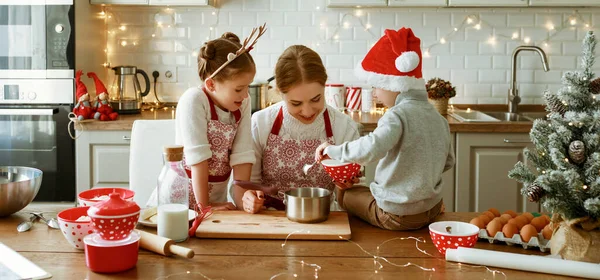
(83, 110)
(103, 110)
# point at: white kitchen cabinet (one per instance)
(102, 159)
(155, 2)
(487, 3)
(483, 162)
(355, 3)
(564, 3)
(418, 3)
(120, 2)
(448, 186)
(181, 2)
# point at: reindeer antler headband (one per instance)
(247, 46)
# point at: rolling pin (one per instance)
(163, 246)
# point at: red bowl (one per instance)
(115, 227)
(73, 230)
(93, 196)
(340, 171)
(111, 256)
(460, 235)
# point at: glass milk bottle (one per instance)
(173, 193)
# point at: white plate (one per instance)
(191, 216)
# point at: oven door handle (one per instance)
(28, 112)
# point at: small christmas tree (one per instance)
(567, 147)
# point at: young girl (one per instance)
(213, 121)
(286, 134)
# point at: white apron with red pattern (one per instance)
(283, 160)
(220, 137)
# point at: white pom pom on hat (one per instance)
(407, 61)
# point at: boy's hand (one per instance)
(319, 156)
(220, 206)
(253, 201)
(347, 184)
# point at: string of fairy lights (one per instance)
(166, 18)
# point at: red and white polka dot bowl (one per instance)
(115, 218)
(73, 230)
(340, 171)
(450, 235)
(93, 196)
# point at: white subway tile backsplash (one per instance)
(298, 18)
(286, 5)
(478, 61)
(550, 77)
(492, 76)
(271, 18)
(353, 47)
(463, 76)
(462, 48)
(478, 67)
(436, 19)
(450, 62)
(339, 61)
(520, 20)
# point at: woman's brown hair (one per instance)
(299, 64)
(214, 53)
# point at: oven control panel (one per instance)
(60, 91)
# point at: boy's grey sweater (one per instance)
(413, 146)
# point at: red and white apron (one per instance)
(283, 160)
(220, 137)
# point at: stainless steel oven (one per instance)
(37, 39)
(33, 132)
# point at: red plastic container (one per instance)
(114, 218)
(91, 197)
(105, 256)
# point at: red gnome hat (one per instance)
(100, 89)
(80, 88)
(394, 62)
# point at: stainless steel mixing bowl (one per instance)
(307, 205)
(18, 186)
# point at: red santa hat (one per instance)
(394, 62)
(100, 88)
(80, 88)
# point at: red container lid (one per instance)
(96, 240)
(114, 206)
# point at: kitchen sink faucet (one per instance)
(513, 93)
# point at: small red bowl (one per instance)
(340, 171)
(111, 256)
(460, 235)
(93, 196)
(73, 230)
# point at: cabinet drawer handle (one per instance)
(129, 138)
(516, 141)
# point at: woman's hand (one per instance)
(253, 201)
(220, 206)
(319, 156)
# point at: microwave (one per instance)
(37, 39)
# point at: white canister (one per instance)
(368, 102)
(335, 96)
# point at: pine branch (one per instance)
(522, 174)
(588, 55)
(592, 205)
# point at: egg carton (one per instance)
(539, 241)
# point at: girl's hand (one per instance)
(220, 206)
(319, 152)
(347, 184)
(253, 201)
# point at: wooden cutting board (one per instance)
(272, 225)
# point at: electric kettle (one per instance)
(126, 97)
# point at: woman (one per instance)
(287, 134)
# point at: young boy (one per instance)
(411, 141)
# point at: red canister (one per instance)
(105, 256)
(114, 218)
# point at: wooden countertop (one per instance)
(367, 120)
(262, 259)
